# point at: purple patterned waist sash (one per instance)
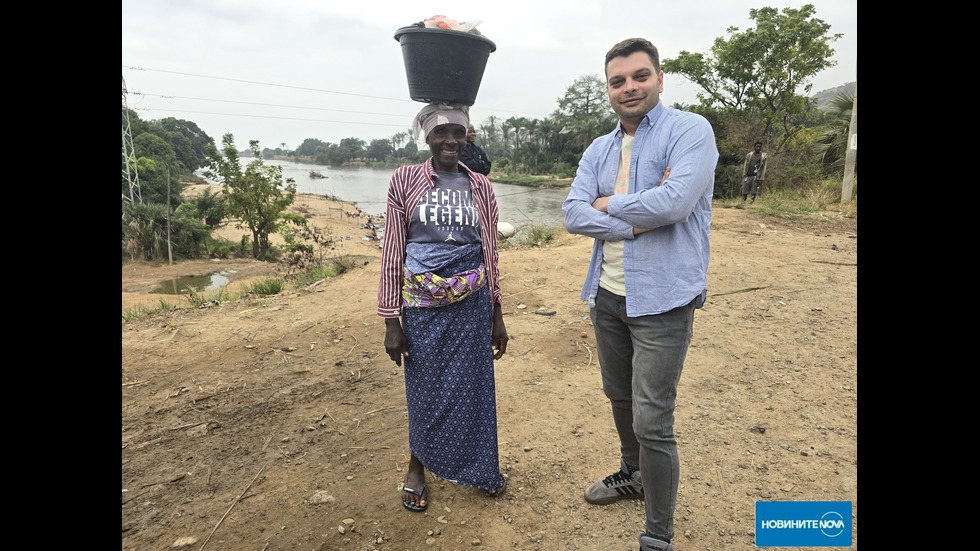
(428, 290)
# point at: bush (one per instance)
(210, 208)
(306, 247)
(144, 232)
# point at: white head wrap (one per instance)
(435, 114)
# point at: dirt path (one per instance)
(281, 424)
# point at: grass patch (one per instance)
(534, 235)
(194, 298)
(816, 206)
(330, 268)
(140, 311)
(265, 287)
(197, 299)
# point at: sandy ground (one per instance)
(280, 423)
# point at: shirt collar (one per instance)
(430, 171)
(649, 119)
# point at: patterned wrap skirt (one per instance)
(449, 380)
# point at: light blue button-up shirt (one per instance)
(668, 266)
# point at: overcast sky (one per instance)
(281, 72)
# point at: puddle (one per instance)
(207, 282)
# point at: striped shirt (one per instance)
(408, 184)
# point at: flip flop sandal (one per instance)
(503, 485)
(412, 506)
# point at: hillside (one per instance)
(824, 97)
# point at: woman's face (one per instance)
(447, 142)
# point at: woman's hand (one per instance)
(498, 335)
(396, 345)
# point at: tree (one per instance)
(762, 69)
(310, 147)
(353, 148)
(170, 142)
(398, 138)
(257, 196)
(517, 124)
(585, 110)
(489, 129)
(188, 140)
(412, 152)
(379, 149)
(154, 155)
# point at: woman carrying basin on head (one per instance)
(440, 296)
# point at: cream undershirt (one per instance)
(612, 277)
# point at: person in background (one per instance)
(473, 156)
(643, 192)
(439, 294)
(754, 172)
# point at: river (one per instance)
(368, 188)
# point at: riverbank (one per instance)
(328, 214)
(540, 181)
(279, 423)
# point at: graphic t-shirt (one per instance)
(446, 213)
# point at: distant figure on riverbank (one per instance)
(473, 156)
(754, 172)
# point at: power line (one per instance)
(402, 125)
(511, 111)
(263, 83)
(270, 105)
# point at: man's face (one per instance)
(758, 148)
(471, 135)
(633, 85)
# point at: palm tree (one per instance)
(518, 124)
(532, 143)
(489, 129)
(505, 135)
(831, 143)
(397, 139)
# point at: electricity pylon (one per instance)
(130, 173)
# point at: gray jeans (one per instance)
(641, 360)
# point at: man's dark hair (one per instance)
(757, 143)
(630, 46)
